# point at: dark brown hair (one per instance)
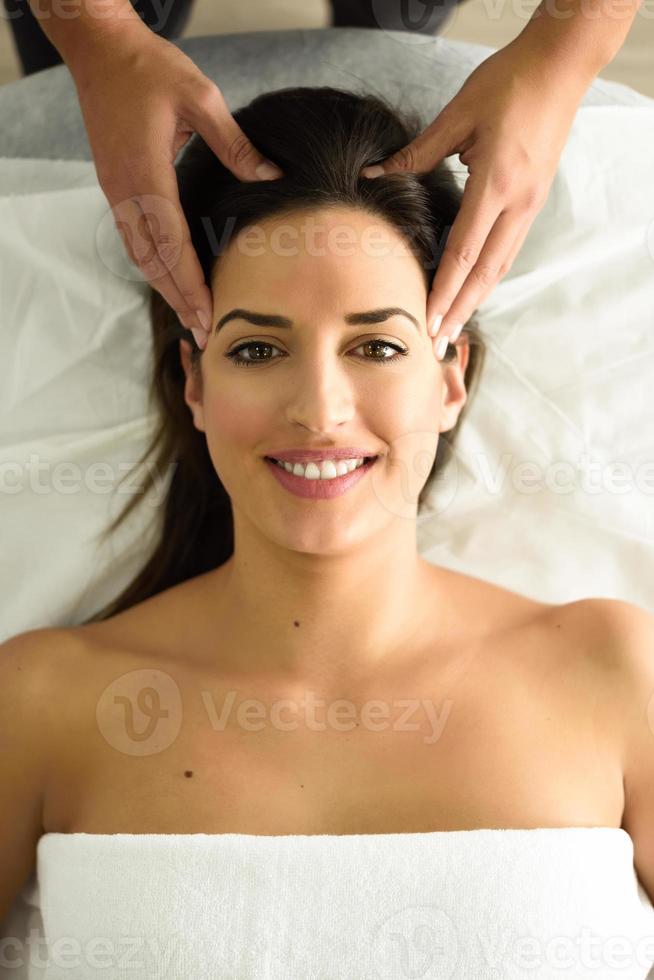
(321, 138)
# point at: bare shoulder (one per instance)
(617, 642)
(32, 666)
(497, 609)
(622, 637)
(33, 661)
(614, 635)
(152, 626)
(623, 642)
(41, 672)
(604, 643)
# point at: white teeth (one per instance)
(326, 469)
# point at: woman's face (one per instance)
(322, 382)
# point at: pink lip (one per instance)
(314, 455)
(319, 489)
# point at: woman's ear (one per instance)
(192, 385)
(454, 392)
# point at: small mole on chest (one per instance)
(295, 622)
(188, 773)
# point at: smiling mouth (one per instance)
(271, 459)
(323, 483)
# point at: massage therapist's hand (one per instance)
(141, 100)
(508, 123)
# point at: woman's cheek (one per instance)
(234, 417)
(411, 405)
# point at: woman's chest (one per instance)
(484, 743)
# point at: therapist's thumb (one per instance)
(212, 119)
(422, 154)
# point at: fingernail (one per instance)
(200, 337)
(374, 171)
(268, 171)
(455, 331)
(441, 347)
(204, 318)
(435, 324)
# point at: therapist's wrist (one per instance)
(533, 73)
(567, 43)
(87, 40)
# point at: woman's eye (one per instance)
(235, 354)
(378, 344)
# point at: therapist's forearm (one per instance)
(77, 29)
(582, 35)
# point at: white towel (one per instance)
(543, 904)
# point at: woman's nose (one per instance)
(323, 397)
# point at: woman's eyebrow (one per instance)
(353, 319)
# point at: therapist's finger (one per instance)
(480, 207)
(148, 214)
(492, 265)
(518, 243)
(207, 112)
(154, 233)
(210, 116)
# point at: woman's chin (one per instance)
(312, 535)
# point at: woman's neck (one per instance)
(323, 619)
